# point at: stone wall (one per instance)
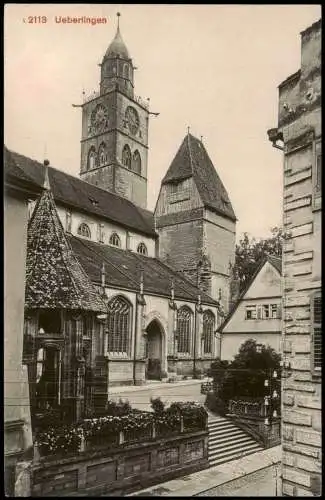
(300, 124)
(17, 420)
(123, 469)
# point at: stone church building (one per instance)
(117, 294)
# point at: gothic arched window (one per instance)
(84, 230)
(115, 240)
(119, 325)
(142, 249)
(184, 330)
(208, 331)
(102, 154)
(126, 156)
(91, 160)
(136, 162)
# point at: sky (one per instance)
(213, 68)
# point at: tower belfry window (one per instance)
(102, 154)
(136, 162)
(91, 161)
(126, 156)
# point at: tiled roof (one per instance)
(12, 171)
(192, 160)
(74, 192)
(272, 259)
(276, 262)
(123, 271)
(54, 277)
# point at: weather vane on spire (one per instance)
(118, 20)
(188, 130)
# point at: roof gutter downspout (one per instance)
(139, 302)
(137, 305)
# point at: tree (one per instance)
(244, 377)
(250, 251)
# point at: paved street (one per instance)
(253, 475)
(139, 397)
(259, 484)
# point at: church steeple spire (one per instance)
(115, 128)
(117, 68)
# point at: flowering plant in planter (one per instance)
(105, 431)
(61, 441)
(194, 415)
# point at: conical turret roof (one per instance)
(54, 277)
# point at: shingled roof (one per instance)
(276, 262)
(192, 160)
(54, 277)
(73, 192)
(123, 270)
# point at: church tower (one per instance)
(114, 143)
(196, 222)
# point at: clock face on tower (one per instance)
(99, 119)
(132, 119)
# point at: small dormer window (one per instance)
(84, 230)
(142, 249)
(115, 240)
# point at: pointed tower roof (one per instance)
(192, 160)
(54, 277)
(117, 47)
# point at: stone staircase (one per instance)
(227, 442)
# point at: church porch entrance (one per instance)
(155, 369)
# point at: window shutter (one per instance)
(317, 331)
(279, 311)
(318, 172)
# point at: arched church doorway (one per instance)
(154, 350)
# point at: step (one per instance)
(223, 432)
(230, 443)
(224, 438)
(216, 454)
(212, 450)
(221, 443)
(229, 458)
(223, 425)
